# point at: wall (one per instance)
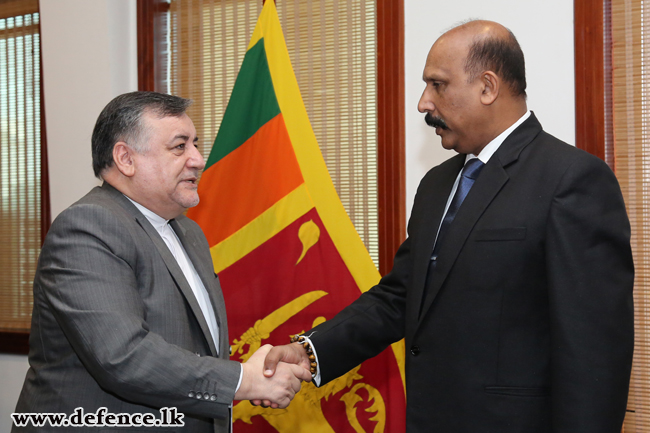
(544, 31)
(89, 56)
(12, 374)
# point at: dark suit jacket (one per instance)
(527, 323)
(116, 325)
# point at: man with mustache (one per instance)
(435, 122)
(513, 289)
(128, 314)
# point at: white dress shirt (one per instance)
(176, 248)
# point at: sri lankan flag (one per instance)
(285, 250)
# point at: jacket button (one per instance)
(415, 350)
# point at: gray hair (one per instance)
(121, 120)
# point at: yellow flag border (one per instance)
(311, 162)
(313, 168)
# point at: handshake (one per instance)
(273, 375)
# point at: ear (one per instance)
(123, 158)
(490, 86)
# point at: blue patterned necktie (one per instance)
(470, 172)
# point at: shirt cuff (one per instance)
(241, 376)
(317, 378)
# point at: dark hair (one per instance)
(121, 120)
(503, 56)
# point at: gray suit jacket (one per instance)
(116, 325)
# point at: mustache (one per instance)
(435, 121)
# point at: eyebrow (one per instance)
(185, 138)
(435, 77)
(429, 77)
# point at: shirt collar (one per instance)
(494, 145)
(156, 220)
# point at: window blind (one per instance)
(631, 132)
(20, 160)
(332, 45)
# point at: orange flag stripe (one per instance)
(264, 167)
(276, 218)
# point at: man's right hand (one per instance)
(276, 389)
(292, 353)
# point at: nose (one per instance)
(196, 159)
(426, 105)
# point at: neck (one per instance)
(126, 186)
(498, 123)
(505, 117)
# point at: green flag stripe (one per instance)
(251, 105)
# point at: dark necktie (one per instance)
(470, 172)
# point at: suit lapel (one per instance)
(491, 180)
(488, 184)
(167, 257)
(433, 207)
(178, 276)
(206, 273)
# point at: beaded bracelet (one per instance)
(313, 365)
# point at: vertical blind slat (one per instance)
(19, 166)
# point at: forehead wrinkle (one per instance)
(435, 73)
(181, 136)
